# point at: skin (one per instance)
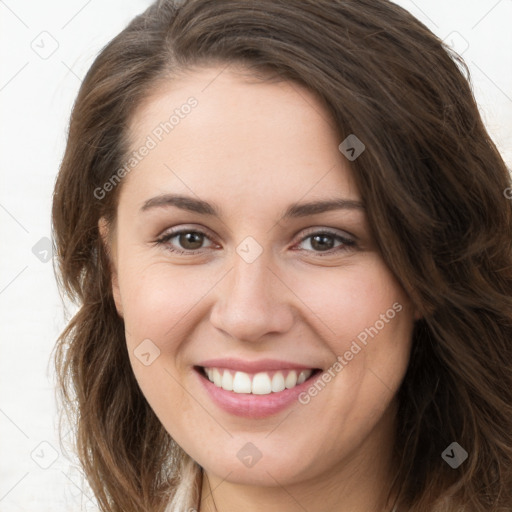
(253, 148)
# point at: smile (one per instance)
(261, 383)
(254, 389)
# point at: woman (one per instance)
(285, 225)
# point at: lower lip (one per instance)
(252, 406)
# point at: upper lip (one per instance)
(260, 365)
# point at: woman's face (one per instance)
(225, 271)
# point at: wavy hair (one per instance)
(433, 183)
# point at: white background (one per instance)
(36, 96)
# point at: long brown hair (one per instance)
(432, 181)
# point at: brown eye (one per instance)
(190, 240)
(183, 242)
(322, 242)
(327, 242)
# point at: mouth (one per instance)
(259, 383)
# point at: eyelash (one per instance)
(347, 243)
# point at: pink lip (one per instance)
(261, 365)
(248, 405)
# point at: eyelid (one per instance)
(188, 228)
(331, 231)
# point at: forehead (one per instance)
(214, 128)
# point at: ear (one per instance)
(107, 239)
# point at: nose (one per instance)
(252, 302)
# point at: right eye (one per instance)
(190, 240)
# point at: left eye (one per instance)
(324, 242)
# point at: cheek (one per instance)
(156, 302)
(348, 301)
(157, 298)
(161, 306)
(366, 319)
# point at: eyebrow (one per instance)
(295, 210)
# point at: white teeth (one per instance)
(302, 377)
(291, 380)
(241, 382)
(227, 381)
(259, 384)
(278, 382)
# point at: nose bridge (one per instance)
(252, 281)
(251, 301)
